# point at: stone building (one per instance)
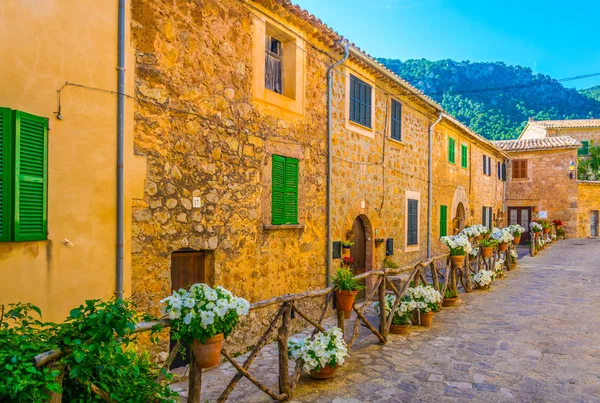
(584, 130)
(541, 183)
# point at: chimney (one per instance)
(531, 119)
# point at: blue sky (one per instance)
(561, 39)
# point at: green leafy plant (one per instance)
(388, 263)
(560, 232)
(347, 244)
(98, 346)
(486, 243)
(449, 293)
(344, 281)
(402, 313)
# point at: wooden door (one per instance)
(187, 268)
(358, 251)
(594, 217)
(459, 218)
(521, 216)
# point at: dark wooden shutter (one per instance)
(274, 65)
(585, 148)
(30, 190)
(490, 218)
(278, 190)
(396, 121)
(5, 174)
(360, 101)
(443, 220)
(504, 171)
(489, 167)
(484, 165)
(483, 216)
(413, 222)
(464, 156)
(291, 191)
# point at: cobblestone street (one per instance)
(533, 337)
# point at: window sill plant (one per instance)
(322, 355)
(346, 288)
(401, 319)
(203, 317)
(487, 247)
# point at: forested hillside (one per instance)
(462, 88)
(593, 92)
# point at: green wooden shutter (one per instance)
(443, 220)
(291, 191)
(585, 148)
(278, 190)
(451, 150)
(464, 156)
(31, 177)
(413, 222)
(5, 174)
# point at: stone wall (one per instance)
(205, 136)
(548, 187)
(580, 134)
(588, 200)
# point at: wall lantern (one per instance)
(572, 170)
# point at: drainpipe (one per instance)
(430, 183)
(120, 143)
(330, 153)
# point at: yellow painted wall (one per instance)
(42, 45)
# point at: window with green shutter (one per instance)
(464, 156)
(451, 150)
(284, 190)
(585, 148)
(412, 230)
(443, 220)
(24, 176)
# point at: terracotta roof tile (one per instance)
(566, 124)
(537, 144)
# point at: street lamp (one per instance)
(572, 170)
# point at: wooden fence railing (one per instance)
(438, 271)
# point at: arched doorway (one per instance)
(362, 250)
(459, 218)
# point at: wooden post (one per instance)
(434, 276)
(282, 343)
(194, 381)
(340, 321)
(382, 314)
(54, 396)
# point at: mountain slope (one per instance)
(496, 114)
(593, 92)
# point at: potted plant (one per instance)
(483, 279)
(322, 355)
(203, 317)
(346, 288)
(485, 232)
(459, 246)
(401, 319)
(513, 259)
(557, 223)
(425, 300)
(346, 245)
(487, 247)
(560, 233)
(545, 226)
(504, 237)
(470, 232)
(450, 297)
(516, 231)
(499, 269)
(536, 228)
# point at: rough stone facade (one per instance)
(204, 135)
(588, 200)
(548, 186)
(581, 134)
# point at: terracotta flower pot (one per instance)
(450, 301)
(345, 299)
(426, 318)
(348, 314)
(324, 373)
(486, 236)
(517, 240)
(546, 230)
(345, 251)
(487, 251)
(478, 237)
(207, 354)
(457, 261)
(502, 246)
(399, 329)
(479, 287)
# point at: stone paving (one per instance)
(534, 337)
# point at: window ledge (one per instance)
(272, 227)
(412, 248)
(396, 141)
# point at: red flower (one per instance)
(558, 222)
(348, 260)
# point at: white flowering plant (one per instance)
(459, 245)
(424, 297)
(203, 312)
(327, 348)
(471, 231)
(516, 230)
(474, 252)
(502, 235)
(403, 311)
(513, 256)
(483, 278)
(483, 230)
(535, 227)
(499, 268)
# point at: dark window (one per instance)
(585, 148)
(486, 217)
(274, 65)
(396, 122)
(412, 235)
(504, 171)
(360, 102)
(284, 190)
(499, 170)
(519, 169)
(487, 165)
